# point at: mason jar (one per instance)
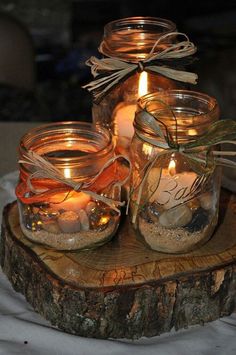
(131, 40)
(54, 213)
(174, 199)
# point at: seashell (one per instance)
(69, 222)
(84, 220)
(198, 222)
(176, 217)
(206, 200)
(51, 227)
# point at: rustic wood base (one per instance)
(123, 290)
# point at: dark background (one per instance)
(66, 33)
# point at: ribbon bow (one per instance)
(199, 154)
(44, 169)
(110, 71)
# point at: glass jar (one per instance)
(131, 40)
(54, 213)
(174, 200)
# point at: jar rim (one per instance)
(41, 132)
(158, 21)
(192, 120)
(132, 38)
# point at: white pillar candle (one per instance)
(173, 189)
(125, 111)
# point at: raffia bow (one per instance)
(110, 71)
(199, 153)
(44, 169)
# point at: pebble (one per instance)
(194, 204)
(84, 220)
(98, 219)
(51, 227)
(176, 217)
(198, 222)
(206, 201)
(153, 212)
(69, 222)
(90, 207)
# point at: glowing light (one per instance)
(147, 149)
(103, 220)
(171, 167)
(143, 84)
(67, 173)
(192, 132)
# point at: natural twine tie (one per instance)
(44, 169)
(199, 154)
(110, 71)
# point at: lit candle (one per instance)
(174, 188)
(75, 200)
(125, 111)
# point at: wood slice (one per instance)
(123, 289)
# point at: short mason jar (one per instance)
(131, 40)
(55, 214)
(174, 205)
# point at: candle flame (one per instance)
(171, 167)
(67, 173)
(143, 84)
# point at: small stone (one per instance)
(84, 220)
(69, 222)
(47, 213)
(51, 227)
(99, 219)
(35, 210)
(153, 212)
(176, 217)
(198, 222)
(206, 201)
(193, 204)
(90, 207)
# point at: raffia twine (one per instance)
(200, 154)
(44, 169)
(110, 71)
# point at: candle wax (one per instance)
(172, 190)
(75, 202)
(123, 119)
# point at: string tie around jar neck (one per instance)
(44, 169)
(162, 59)
(141, 66)
(199, 153)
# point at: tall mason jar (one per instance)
(174, 202)
(54, 213)
(131, 40)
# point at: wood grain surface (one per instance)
(123, 289)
